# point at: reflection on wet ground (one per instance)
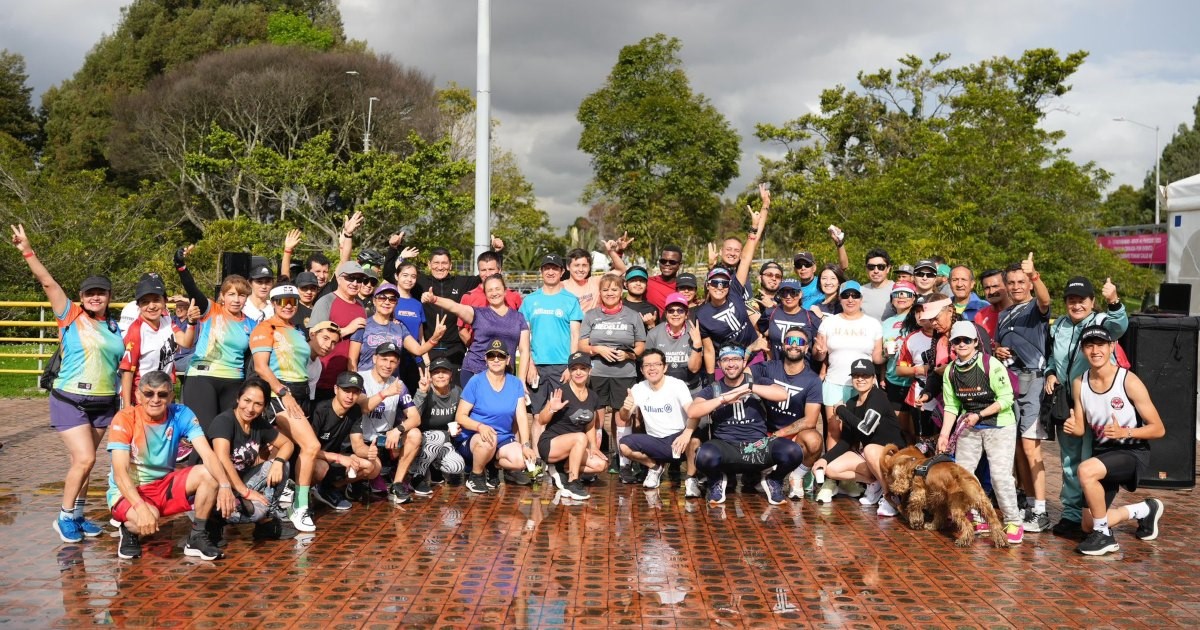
(522, 558)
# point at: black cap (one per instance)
(441, 363)
(149, 284)
(925, 264)
(350, 380)
(686, 280)
(1079, 287)
(497, 345)
(1096, 332)
(579, 358)
(552, 259)
(803, 257)
(260, 272)
(95, 282)
(387, 347)
(770, 264)
(307, 279)
(862, 367)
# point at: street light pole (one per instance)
(1157, 163)
(483, 126)
(367, 131)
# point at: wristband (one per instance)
(280, 460)
(1114, 306)
(225, 486)
(288, 252)
(695, 349)
(29, 254)
(345, 235)
(1035, 277)
(751, 237)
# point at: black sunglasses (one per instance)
(154, 393)
(961, 341)
(667, 261)
(851, 295)
(879, 267)
(925, 274)
(786, 294)
(719, 284)
(805, 265)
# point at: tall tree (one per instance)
(929, 159)
(660, 152)
(16, 110)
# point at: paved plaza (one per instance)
(629, 557)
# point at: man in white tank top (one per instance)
(1115, 403)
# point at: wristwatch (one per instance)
(283, 391)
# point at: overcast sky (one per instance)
(758, 61)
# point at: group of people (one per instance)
(381, 378)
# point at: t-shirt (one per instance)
(742, 421)
(642, 308)
(1024, 329)
(810, 293)
(153, 446)
(988, 317)
(892, 329)
(847, 341)
(657, 290)
(287, 348)
(576, 417)
(221, 344)
(91, 353)
(411, 313)
(339, 311)
(437, 411)
(664, 412)
(780, 321)
(244, 448)
(887, 431)
(489, 325)
(497, 409)
(677, 350)
(382, 418)
(876, 300)
(912, 353)
(333, 430)
(148, 348)
(374, 335)
(550, 317)
(588, 292)
(728, 323)
(622, 330)
(804, 388)
(451, 287)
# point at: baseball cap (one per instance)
(685, 280)
(371, 273)
(579, 358)
(260, 272)
(441, 363)
(284, 291)
(149, 284)
(908, 269)
(385, 287)
(636, 271)
(387, 347)
(943, 270)
(931, 308)
(790, 283)
(904, 285)
(803, 257)
(95, 282)
(306, 279)
(552, 259)
(1079, 287)
(325, 325)
(350, 268)
(963, 328)
(676, 298)
(350, 380)
(731, 351)
(770, 264)
(926, 264)
(497, 345)
(717, 272)
(850, 285)
(862, 367)
(1096, 332)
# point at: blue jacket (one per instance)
(974, 303)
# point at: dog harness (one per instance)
(922, 469)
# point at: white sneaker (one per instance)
(828, 489)
(874, 493)
(850, 488)
(653, 476)
(302, 520)
(886, 509)
(691, 488)
(796, 485)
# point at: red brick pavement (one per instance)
(628, 557)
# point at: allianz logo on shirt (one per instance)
(667, 408)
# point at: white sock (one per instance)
(1039, 507)
(1138, 510)
(799, 472)
(1101, 525)
(622, 432)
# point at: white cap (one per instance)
(963, 329)
(283, 291)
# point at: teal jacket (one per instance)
(1064, 342)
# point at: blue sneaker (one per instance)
(716, 489)
(68, 530)
(88, 528)
(774, 490)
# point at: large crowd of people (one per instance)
(316, 385)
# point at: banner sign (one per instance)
(1139, 249)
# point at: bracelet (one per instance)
(751, 237)
(280, 460)
(288, 252)
(345, 235)
(29, 254)
(1035, 277)
(225, 486)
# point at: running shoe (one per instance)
(199, 546)
(128, 547)
(716, 489)
(873, 495)
(691, 488)
(653, 477)
(1098, 544)
(68, 530)
(477, 484)
(1148, 526)
(773, 488)
(827, 491)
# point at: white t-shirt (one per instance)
(664, 412)
(383, 417)
(848, 340)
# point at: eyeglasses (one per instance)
(286, 302)
(787, 294)
(652, 365)
(387, 298)
(851, 295)
(878, 267)
(776, 276)
(156, 393)
(925, 274)
(667, 262)
(496, 356)
(719, 284)
(675, 311)
(794, 341)
(354, 279)
(805, 265)
(903, 294)
(961, 341)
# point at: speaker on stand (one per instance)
(1163, 353)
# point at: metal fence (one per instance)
(37, 319)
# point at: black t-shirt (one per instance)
(244, 448)
(451, 287)
(643, 308)
(333, 430)
(886, 432)
(803, 389)
(742, 421)
(576, 417)
(437, 412)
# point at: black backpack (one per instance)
(50, 372)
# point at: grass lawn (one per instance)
(20, 385)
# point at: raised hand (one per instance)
(181, 254)
(712, 254)
(497, 244)
(624, 242)
(409, 252)
(764, 193)
(628, 405)
(755, 216)
(1027, 265)
(556, 402)
(353, 223)
(193, 312)
(396, 239)
(693, 332)
(439, 327)
(292, 240)
(1109, 291)
(19, 239)
(428, 297)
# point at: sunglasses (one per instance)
(879, 267)
(851, 295)
(787, 295)
(676, 311)
(496, 356)
(794, 341)
(667, 261)
(355, 279)
(925, 274)
(287, 301)
(156, 393)
(805, 265)
(903, 294)
(772, 275)
(719, 284)
(386, 298)
(961, 341)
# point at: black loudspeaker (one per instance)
(235, 263)
(1163, 353)
(1174, 297)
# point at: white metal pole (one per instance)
(367, 131)
(483, 141)
(1157, 190)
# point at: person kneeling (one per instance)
(663, 403)
(144, 485)
(394, 439)
(336, 465)
(491, 403)
(570, 436)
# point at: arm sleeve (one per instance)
(193, 290)
(948, 397)
(389, 264)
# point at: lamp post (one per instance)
(367, 132)
(1157, 162)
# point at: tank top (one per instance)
(1100, 408)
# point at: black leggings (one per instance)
(208, 396)
(717, 456)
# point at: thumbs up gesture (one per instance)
(1027, 265)
(1109, 291)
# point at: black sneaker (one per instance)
(331, 497)
(1068, 528)
(453, 480)
(477, 484)
(575, 490)
(436, 477)
(627, 474)
(492, 477)
(557, 476)
(518, 477)
(128, 547)
(1098, 544)
(215, 527)
(199, 546)
(267, 530)
(358, 491)
(422, 487)
(399, 494)
(1148, 526)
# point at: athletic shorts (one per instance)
(612, 390)
(1028, 406)
(833, 394)
(1124, 470)
(543, 445)
(658, 449)
(68, 411)
(168, 495)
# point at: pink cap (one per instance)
(904, 285)
(676, 298)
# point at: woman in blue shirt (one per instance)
(491, 403)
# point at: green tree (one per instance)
(1125, 206)
(660, 152)
(16, 110)
(286, 28)
(1180, 158)
(929, 159)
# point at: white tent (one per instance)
(1183, 230)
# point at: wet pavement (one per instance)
(628, 557)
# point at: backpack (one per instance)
(50, 372)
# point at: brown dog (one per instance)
(948, 492)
